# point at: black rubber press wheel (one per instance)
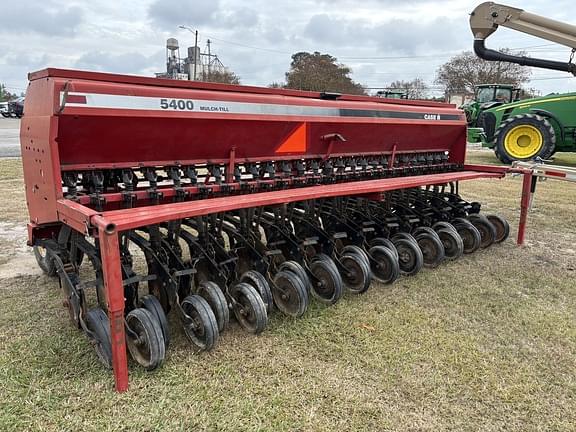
(212, 293)
(432, 249)
(152, 305)
(486, 229)
(290, 295)
(249, 308)
(144, 339)
(452, 242)
(45, 262)
(298, 270)
(202, 330)
(356, 275)
(502, 227)
(98, 323)
(259, 282)
(327, 286)
(410, 256)
(384, 265)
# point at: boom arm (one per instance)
(486, 18)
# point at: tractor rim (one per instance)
(523, 141)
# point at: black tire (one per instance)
(144, 340)
(443, 225)
(203, 331)
(152, 305)
(387, 243)
(259, 282)
(385, 266)
(410, 257)
(486, 229)
(424, 230)
(356, 276)
(470, 236)
(45, 262)
(249, 308)
(356, 250)
(290, 295)
(327, 286)
(403, 236)
(211, 292)
(98, 323)
(502, 227)
(452, 242)
(298, 270)
(432, 249)
(507, 129)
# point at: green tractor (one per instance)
(531, 128)
(486, 96)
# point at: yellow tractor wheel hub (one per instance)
(523, 142)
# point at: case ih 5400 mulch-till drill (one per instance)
(243, 201)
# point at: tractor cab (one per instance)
(499, 93)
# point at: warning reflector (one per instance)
(296, 141)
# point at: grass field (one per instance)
(485, 343)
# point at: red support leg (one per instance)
(110, 251)
(528, 186)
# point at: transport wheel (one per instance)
(410, 257)
(502, 227)
(356, 275)
(385, 267)
(432, 249)
(443, 225)
(290, 295)
(45, 262)
(211, 292)
(387, 243)
(486, 229)
(403, 236)
(152, 305)
(202, 330)
(470, 236)
(98, 323)
(452, 242)
(249, 308)
(524, 137)
(144, 338)
(259, 282)
(424, 230)
(356, 250)
(327, 287)
(298, 270)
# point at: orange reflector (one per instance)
(296, 141)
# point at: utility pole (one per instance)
(209, 58)
(195, 52)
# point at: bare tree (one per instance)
(320, 72)
(462, 72)
(415, 89)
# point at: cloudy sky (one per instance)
(381, 40)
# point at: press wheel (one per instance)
(298, 270)
(152, 305)
(470, 236)
(327, 284)
(452, 242)
(502, 227)
(290, 295)
(249, 308)
(259, 282)
(144, 338)
(432, 249)
(410, 256)
(356, 274)
(211, 292)
(385, 267)
(202, 330)
(98, 323)
(486, 229)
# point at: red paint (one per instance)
(296, 141)
(524, 206)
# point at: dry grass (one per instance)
(485, 343)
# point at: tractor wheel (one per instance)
(524, 137)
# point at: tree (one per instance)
(5, 95)
(415, 89)
(462, 72)
(320, 72)
(224, 77)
